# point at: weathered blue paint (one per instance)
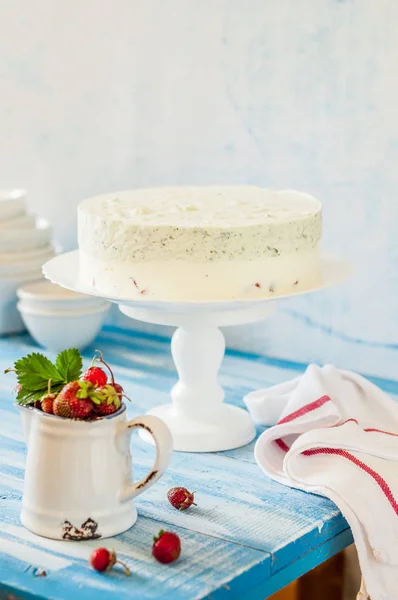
(248, 536)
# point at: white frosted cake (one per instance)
(200, 243)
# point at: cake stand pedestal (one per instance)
(197, 417)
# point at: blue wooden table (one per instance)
(247, 538)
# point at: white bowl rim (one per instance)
(63, 314)
(46, 291)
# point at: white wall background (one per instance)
(101, 95)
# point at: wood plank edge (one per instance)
(282, 578)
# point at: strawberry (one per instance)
(74, 401)
(119, 390)
(103, 560)
(96, 376)
(47, 404)
(103, 410)
(107, 400)
(166, 547)
(181, 498)
(81, 408)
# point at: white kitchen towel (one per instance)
(334, 433)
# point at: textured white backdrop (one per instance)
(103, 95)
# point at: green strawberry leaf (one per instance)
(33, 372)
(69, 364)
(27, 396)
(96, 397)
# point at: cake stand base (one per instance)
(197, 418)
(231, 427)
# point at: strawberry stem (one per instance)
(100, 359)
(125, 567)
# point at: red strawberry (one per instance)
(47, 404)
(104, 410)
(73, 401)
(181, 498)
(81, 408)
(107, 400)
(37, 404)
(103, 560)
(166, 547)
(96, 376)
(117, 386)
(119, 390)
(100, 358)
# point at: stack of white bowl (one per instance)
(25, 245)
(58, 318)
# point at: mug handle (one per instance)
(164, 450)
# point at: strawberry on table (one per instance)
(181, 498)
(101, 559)
(166, 547)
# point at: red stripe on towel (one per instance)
(304, 410)
(385, 488)
(282, 445)
(370, 430)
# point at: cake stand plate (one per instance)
(197, 417)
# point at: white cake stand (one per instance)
(197, 417)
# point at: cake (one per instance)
(200, 243)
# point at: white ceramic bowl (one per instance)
(44, 295)
(28, 264)
(14, 258)
(57, 330)
(12, 203)
(10, 319)
(19, 240)
(20, 222)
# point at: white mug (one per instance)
(78, 477)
